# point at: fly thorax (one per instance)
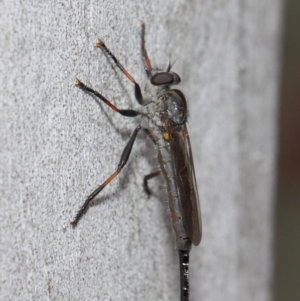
(176, 107)
(155, 110)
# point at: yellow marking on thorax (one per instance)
(166, 136)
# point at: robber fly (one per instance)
(163, 118)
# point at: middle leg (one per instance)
(127, 113)
(147, 178)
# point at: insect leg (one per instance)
(127, 113)
(122, 163)
(137, 89)
(148, 177)
(147, 62)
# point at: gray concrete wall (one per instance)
(57, 145)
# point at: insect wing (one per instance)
(185, 176)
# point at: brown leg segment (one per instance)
(147, 61)
(147, 178)
(122, 163)
(137, 89)
(127, 113)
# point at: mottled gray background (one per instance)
(57, 145)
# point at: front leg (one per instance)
(137, 88)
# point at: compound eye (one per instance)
(165, 78)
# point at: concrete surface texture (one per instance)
(57, 145)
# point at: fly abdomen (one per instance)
(167, 168)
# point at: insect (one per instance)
(163, 116)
